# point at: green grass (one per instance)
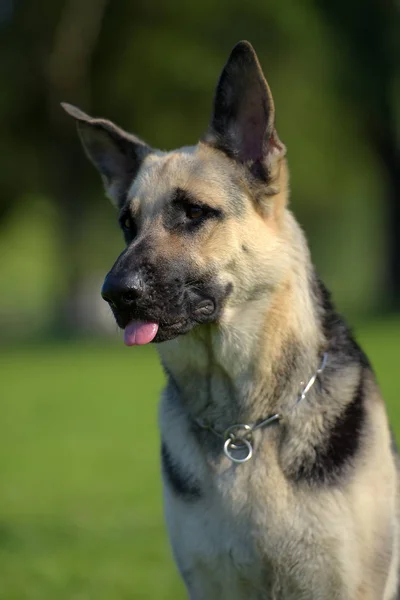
(80, 496)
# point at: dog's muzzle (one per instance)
(170, 302)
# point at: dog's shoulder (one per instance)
(348, 414)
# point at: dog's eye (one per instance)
(128, 226)
(127, 223)
(195, 212)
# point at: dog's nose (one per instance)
(122, 291)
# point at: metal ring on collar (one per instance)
(230, 445)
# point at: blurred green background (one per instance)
(80, 497)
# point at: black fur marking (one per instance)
(183, 484)
(341, 342)
(342, 444)
(176, 215)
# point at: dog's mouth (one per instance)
(141, 328)
(156, 318)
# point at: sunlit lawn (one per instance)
(80, 498)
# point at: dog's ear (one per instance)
(116, 154)
(242, 123)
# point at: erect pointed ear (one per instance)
(242, 123)
(116, 154)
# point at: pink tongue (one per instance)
(138, 333)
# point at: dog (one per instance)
(280, 474)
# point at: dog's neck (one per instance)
(252, 363)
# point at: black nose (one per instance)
(121, 291)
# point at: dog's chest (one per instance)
(217, 545)
(243, 539)
(229, 524)
(239, 531)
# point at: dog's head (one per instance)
(202, 223)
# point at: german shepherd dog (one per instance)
(280, 476)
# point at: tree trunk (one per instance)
(68, 74)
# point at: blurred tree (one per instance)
(368, 32)
(68, 76)
(152, 67)
(47, 53)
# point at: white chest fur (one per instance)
(247, 536)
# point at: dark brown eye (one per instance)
(126, 222)
(195, 212)
(128, 226)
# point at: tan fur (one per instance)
(333, 536)
(266, 529)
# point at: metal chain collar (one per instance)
(238, 439)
